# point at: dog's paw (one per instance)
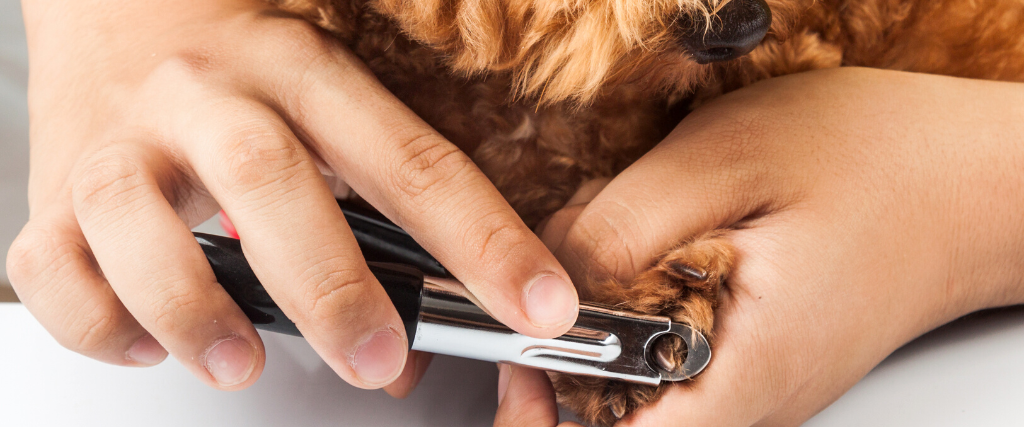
(683, 285)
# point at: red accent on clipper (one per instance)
(226, 224)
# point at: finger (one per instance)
(526, 398)
(665, 193)
(54, 274)
(296, 239)
(430, 188)
(157, 270)
(415, 366)
(552, 230)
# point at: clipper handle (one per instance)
(381, 240)
(404, 285)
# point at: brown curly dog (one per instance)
(547, 94)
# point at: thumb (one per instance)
(527, 399)
(651, 207)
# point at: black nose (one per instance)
(735, 31)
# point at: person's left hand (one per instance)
(866, 207)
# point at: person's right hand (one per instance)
(148, 117)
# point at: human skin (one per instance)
(148, 117)
(866, 207)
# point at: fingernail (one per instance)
(504, 373)
(147, 351)
(230, 361)
(379, 360)
(550, 301)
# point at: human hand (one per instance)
(866, 207)
(148, 117)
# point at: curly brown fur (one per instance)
(684, 285)
(544, 94)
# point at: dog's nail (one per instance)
(618, 408)
(665, 361)
(696, 273)
(669, 353)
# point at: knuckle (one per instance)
(185, 67)
(34, 253)
(190, 63)
(90, 332)
(299, 37)
(425, 164)
(598, 239)
(257, 156)
(43, 266)
(308, 50)
(27, 257)
(272, 38)
(106, 183)
(331, 294)
(500, 237)
(172, 304)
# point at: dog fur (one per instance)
(546, 94)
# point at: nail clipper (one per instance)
(440, 316)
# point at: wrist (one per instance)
(986, 267)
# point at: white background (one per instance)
(969, 373)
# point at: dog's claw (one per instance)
(618, 408)
(665, 362)
(695, 273)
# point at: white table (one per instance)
(42, 384)
(966, 374)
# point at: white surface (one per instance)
(42, 384)
(967, 374)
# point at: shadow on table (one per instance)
(454, 392)
(976, 325)
(7, 293)
(967, 372)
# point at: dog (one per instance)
(545, 95)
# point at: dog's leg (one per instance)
(684, 285)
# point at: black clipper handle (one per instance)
(383, 241)
(403, 284)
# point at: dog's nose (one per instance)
(734, 31)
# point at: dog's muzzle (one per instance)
(733, 32)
